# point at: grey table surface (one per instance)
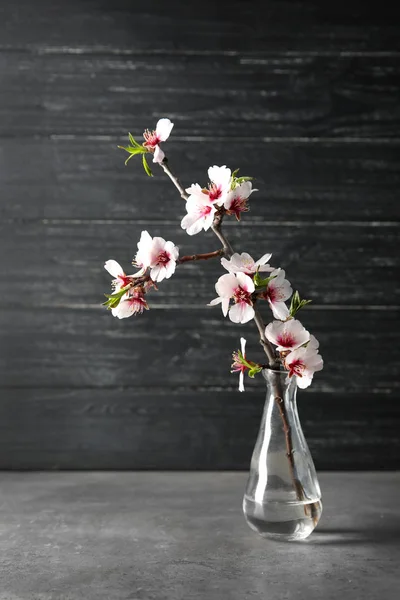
(146, 535)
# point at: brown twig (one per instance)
(273, 363)
(272, 359)
(228, 251)
(287, 431)
(205, 256)
(174, 179)
(217, 229)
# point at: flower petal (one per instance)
(245, 282)
(226, 264)
(241, 312)
(244, 189)
(304, 381)
(226, 285)
(192, 223)
(172, 249)
(158, 155)
(241, 381)
(158, 273)
(215, 301)
(263, 260)
(170, 269)
(314, 343)
(243, 345)
(139, 273)
(163, 129)
(220, 176)
(125, 309)
(279, 310)
(114, 268)
(225, 306)
(195, 190)
(208, 220)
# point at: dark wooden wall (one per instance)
(303, 95)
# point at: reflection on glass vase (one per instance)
(282, 498)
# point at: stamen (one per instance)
(214, 192)
(240, 295)
(163, 258)
(151, 139)
(286, 340)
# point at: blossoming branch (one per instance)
(248, 283)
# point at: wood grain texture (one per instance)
(76, 178)
(302, 95)
(330, 263)
(231, 96)
(136, 428)
(209, 27)
(72, 347)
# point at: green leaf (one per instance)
(240, 180)
(114, 299)
(261, 283)
(133, 141)
(146, 166)
(297, 303)
(134, 149)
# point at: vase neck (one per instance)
(280, 387)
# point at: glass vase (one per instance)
(282, 499)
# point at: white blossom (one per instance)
(244, 263)
(277, 292)
(154, 138)
(288, 335)
(239, 288)
(303, 363)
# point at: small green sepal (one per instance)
(254, 370)
(114, 299)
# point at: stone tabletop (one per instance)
(173, 536)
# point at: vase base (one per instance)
(282, 521)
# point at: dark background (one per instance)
(302, 95)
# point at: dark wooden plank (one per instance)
(84, 178)
(79, 348)
(229, 95)
(234, 25)
(62, 263)
(191, 429)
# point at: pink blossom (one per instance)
(238, 366)
(154, 138)
(132, 303)
(303, 363)
(244, 263)
(236, 199)
(288, 335)
(158, 255)
(200, 214)
(218, 188)
(163, 259)
(278, 290)
(120, 279)
(239, 287)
